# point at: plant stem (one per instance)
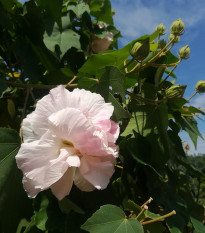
(142, 211)
(192, 96)
(147, 202)
(160, 218)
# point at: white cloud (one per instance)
(136, 18)
(199, 101)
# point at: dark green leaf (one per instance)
(54, 8)
(198, 226)
(189, 124)
(112, 82)
(14, 203)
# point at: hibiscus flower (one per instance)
(68, 138)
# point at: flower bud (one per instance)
(175, 39)
(176, 91)
(200, 87)
(113, 11)
(184, 52)
(161, 29)
(140, 50)
(99, 45)
(177, 27)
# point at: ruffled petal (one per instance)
(57, 99)
(82, 183)
(63, 186)
(97, 170)
(72, 126)
(27, 131)
(92, 105)
(43, 163)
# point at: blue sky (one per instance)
(135, 18)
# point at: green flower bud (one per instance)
(177, 27)
(176, 38)
(200, 87)
(140, 49)
(161, 29)
(184, 52)
(113, 11)
(176, 91)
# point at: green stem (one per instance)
(192, 96)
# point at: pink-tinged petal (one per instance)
(97, 170)
(43, 163)
(82, 183)
(71, 125)
(92, 105)
(63, 186)
(57, 99)
(113, 132)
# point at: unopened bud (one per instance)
(140, 50)
(177, 27)
(101, 44)
(161, 29)
(174, 39)
(176, 91)
(113, 11)
(200, 87)
(184, 52)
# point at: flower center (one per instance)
(67, 143)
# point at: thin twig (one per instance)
(192, 96)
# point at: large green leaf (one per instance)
(109, 58)
(111, 219)
(13, 201)
(79, 9)
(60, 41)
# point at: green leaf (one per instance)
(54, 8)
(112, 82)
(155, 227)
(198, 226)
(47, 214)
(130, 127)
(3, 87)
(79, 9)
(60, 41)
(111, 219)
(101, 9)
(151, 215)
(189, 124)
(14, 203)
(109, 58)
(67, 206)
